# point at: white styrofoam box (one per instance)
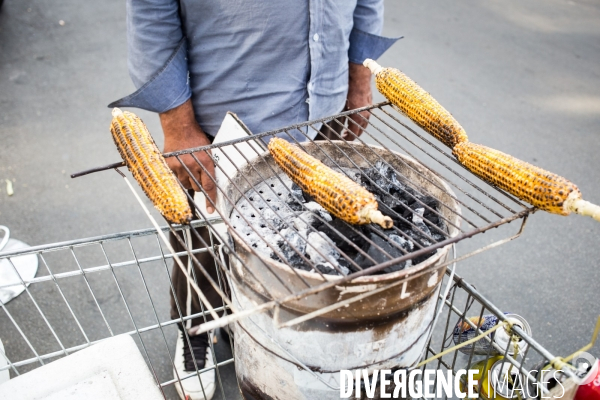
(111, 369)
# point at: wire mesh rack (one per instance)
(267, 267)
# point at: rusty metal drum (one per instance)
(385, 330)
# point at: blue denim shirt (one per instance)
(273, 63)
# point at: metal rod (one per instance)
(230, 142)
(104, 238)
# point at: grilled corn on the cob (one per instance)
(417, 104)
(338, 194)
(543, 189)
(146, 163)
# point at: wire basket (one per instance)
(91, 289)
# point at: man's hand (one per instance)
(359, 95)
(182, 132)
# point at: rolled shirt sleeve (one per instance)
(157, 56)
(365, 38)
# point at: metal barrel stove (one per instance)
(385, 330)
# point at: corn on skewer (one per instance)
(417, 104)
(146, 163)
(542, 189)
(338, 194)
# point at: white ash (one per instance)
(405, 244)
(278, 229)
(307, 219)
(292, 244)
(303, 221)
(417, 219)
(265, 211)
(318, 209)
(322, 249)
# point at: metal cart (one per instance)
(91, 289)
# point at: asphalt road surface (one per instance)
(521, 76)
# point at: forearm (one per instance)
(359, 86)
(180, 127)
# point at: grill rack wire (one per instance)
(484, 207)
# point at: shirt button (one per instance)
(310, 86)
(316, 37)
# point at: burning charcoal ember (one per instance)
(346, 266)
(377, 252)
(321, 249)
(289, 237)
(296, 192)
(345, 233)
(294, 203)
(408, 196)
(295, 198)
(418, 238)
(307, 198)
(328, 269)
(380, 175)
(417, 219)
(404, 243)
(379, 181)
(429, 202)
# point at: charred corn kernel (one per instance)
(338, 194)
(417, 104)
(146, 163)
(542, 189)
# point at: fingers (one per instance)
(201, 175)
(356, 125)
(332, 129)
(175, 165)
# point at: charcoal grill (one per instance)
(470, 208)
